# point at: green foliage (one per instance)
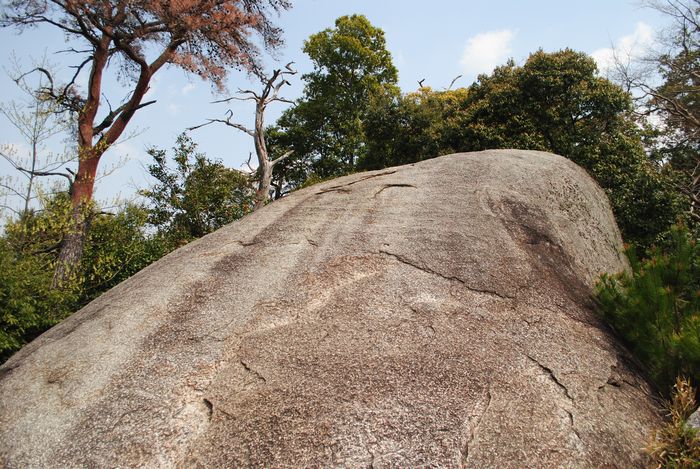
(117, 246)
(28, 304)
(677, 444)
(554, 102)
(352, 67)
(28, 249)
(655, 309)
(414, 127)
(197, 197)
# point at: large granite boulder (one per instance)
(436, 314)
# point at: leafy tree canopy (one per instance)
(118, 245)
(352, 67)
(195, 197)
(554, 102)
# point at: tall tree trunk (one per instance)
(264, 163)
(263, 192)
(74, 241)
(71, 248)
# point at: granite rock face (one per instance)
(432, 314)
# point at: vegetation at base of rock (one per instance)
(655, 308)
(677, 444)
(28, 304)
(117, 246)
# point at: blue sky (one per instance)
(435, 40)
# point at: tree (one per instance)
(554, 102)
(197, 197)
(667, 84)
(37, 121)
(269, 94)
(202, 37)
(655, 308)
(677, 98)
(417, 126)
(117, 246)
(351, 67)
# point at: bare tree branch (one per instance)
(109, 118)
(281, 158)
(247, 163)
(227, 122)
(453, 82)
(47, 173)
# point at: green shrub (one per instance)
(656, 308)
(677, 444)
(117, 246)
(28, 304)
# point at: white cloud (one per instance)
(174, 109)
(627, 48)
(187, 89)
(486, 51)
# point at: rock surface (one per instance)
(432, 314)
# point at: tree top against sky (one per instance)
(436, 42)
(206, 37)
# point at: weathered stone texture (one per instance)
(432, 314)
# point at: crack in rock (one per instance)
(616, 380)
(552, 376)
(343, 187)
(252, 242)
(219, 409)
(387, 186)
(450, 278)
(385, 173)
(464, 450)
(6, 370)
(210, 408)
(253, 372)
(573, 427)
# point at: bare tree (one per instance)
(666, 84)
(205, 37)
(38, 121)
(270, 93)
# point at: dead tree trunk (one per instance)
(270, 93)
